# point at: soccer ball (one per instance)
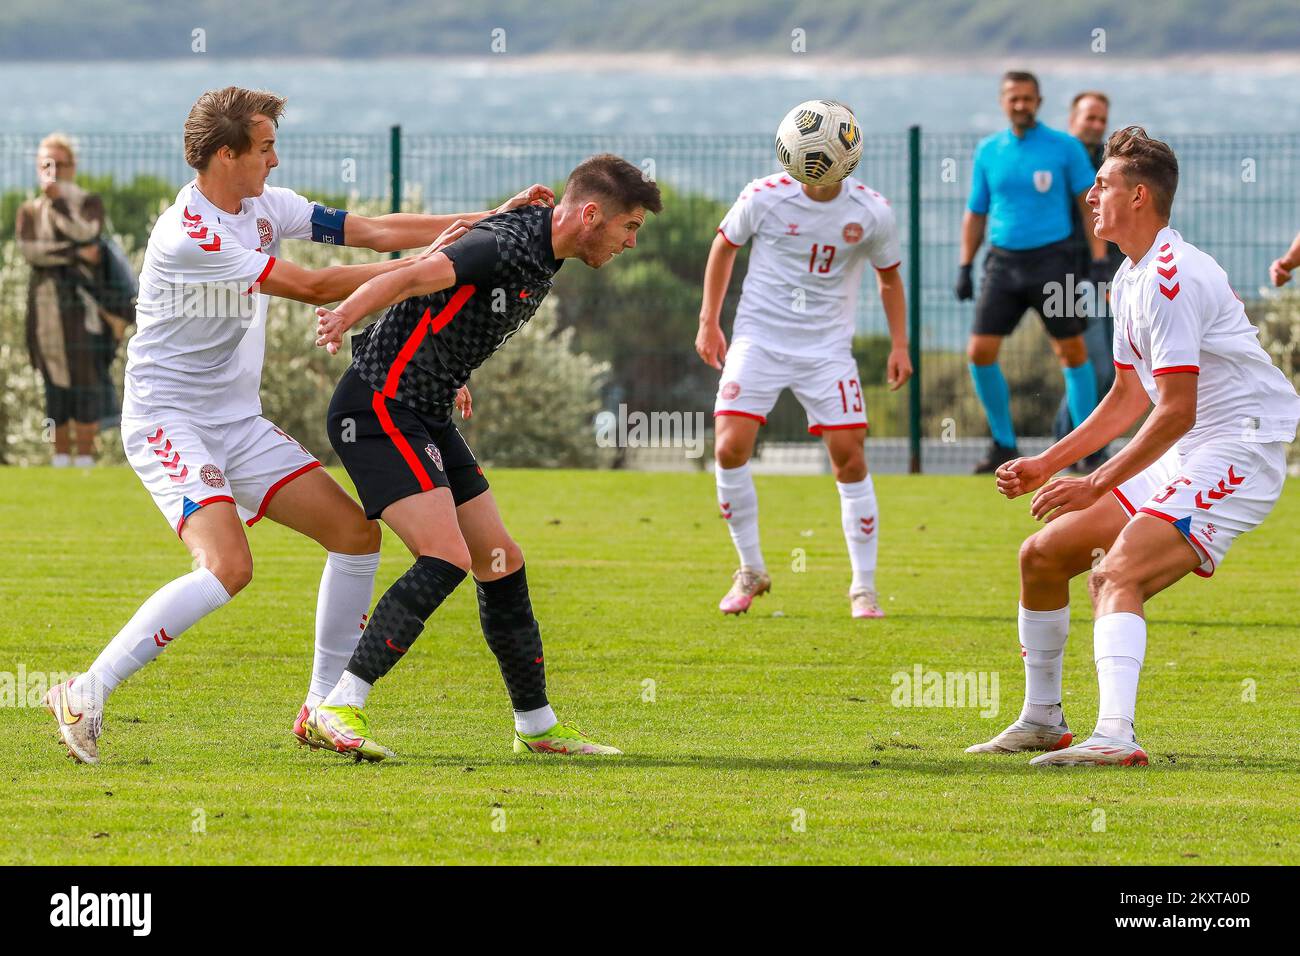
(819, 142)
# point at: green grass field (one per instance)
(755, 725)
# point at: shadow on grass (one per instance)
(886, 763)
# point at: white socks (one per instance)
(1042, 644)
(346, 587)
(168, 613)
(61, 460)
(350, 691)
(1119, 647)
(861, 531)
(739, 504)
(535, 721)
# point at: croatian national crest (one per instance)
(434, 454)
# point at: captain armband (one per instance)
(327, 224)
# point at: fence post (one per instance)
(395, 173)
(914, 291)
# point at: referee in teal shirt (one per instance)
(1021, 188)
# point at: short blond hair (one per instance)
(223, 118)
(59, 141)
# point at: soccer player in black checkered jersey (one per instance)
(390, 422)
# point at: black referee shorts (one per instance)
(1016, 280)
(391, 451)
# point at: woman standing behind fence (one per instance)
(58, 233)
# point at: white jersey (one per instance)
(801, 291)
(1175, 312)
(200, 331)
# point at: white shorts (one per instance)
(829, 389)
(186, 466)
(1218, 491)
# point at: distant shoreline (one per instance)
(794, 63)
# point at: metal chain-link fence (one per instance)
(1239, 199)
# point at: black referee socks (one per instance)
(400, 615)
(514, 637)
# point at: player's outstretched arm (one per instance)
(894, 300)
(423, 276)
(319, 286)
(1113, 416)
(710, 343)
(404, 230)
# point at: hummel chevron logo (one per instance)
(725, 508)
(868, 525)
(1170, 292)
(155, 438)
(162, 638)
(1222, 491)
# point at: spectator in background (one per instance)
(58, 234)
(1089, 117)
(1023, 181)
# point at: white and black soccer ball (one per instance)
(819, 142)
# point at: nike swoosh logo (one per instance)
(68, 716)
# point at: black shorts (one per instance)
(391, 451)
(81, 403)
(1023, 279)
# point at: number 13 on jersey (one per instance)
(820, 259)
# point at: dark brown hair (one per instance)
(223, 118)
(1020, 76)
(1095, 94)
(615, 182)
(1148, 161)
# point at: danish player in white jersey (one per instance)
(1206, 466)
(794, 329)
(192, 426)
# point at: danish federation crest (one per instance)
(211, 476)
(434, 454)
(1042, 180)
(730, 390)
(853, 232)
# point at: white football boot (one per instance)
(1024, 735)
(1096, 751)
(80, 719)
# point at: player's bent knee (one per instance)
(368, 538)
(451, 553)
(729, 455)
(235, 574)
(1036, 558)
(499, 561)
(850, 470)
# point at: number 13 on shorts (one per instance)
(850, 392)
